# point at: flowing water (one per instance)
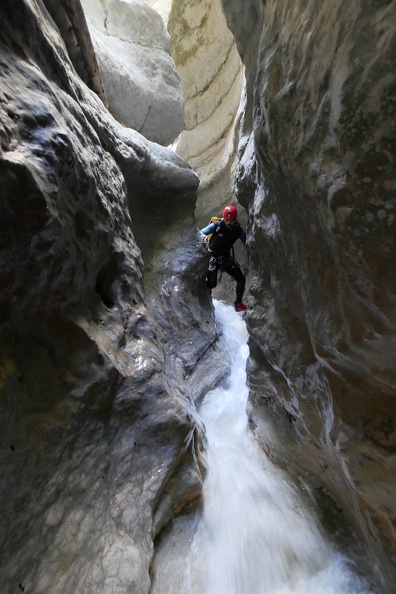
(254, 536)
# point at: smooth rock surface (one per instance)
(213, 83)
(141, 83)
(107, 336)
(317, 177)
(210, 69)
(99, 443)
(163, 7)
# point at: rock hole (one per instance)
(106, 282)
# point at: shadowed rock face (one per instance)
(317, 176)
(98, 437)
(105, 346)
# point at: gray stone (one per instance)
(316, 167)
(212, 79)
(141, 83)
(97, 412)
(107, 333)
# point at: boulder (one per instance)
(142, 86)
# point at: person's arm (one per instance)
(209, 229)
(242, 237)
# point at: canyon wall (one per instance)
(212, 79)
(99, 443)
(132, 49)
(107, 334)
(317, 178)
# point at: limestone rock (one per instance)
(163, 7)
(212, 78)
(97, 411)
(141, 83)
(317, 171)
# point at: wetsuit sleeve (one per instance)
(242, 237)
(209, 229)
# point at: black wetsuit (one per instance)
(220, 245)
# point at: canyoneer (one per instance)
(222, 234)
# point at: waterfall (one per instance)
(254, 536)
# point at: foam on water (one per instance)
(256, 536)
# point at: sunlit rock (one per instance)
(212, 77)
(163, 7)
(141, 83)
(317, 175)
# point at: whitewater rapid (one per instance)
(254, 536)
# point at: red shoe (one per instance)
(240, 307)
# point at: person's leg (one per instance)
(233, 269)
(211, 275)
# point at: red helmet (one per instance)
(230, 212)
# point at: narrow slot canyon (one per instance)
(153, 440)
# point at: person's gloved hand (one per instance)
(204, 241)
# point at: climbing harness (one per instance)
(221, 262)
(212, 263)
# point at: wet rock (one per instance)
(316, 176)
(97, 412)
